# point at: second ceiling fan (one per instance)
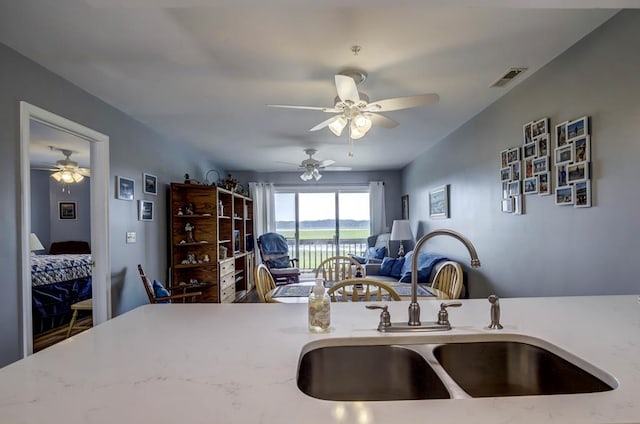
(353, 109)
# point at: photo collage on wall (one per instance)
(573, 163)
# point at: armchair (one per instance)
(274, 252)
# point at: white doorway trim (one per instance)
(99, 186)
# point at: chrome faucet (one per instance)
(414, 307)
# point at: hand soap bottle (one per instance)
(319, 309)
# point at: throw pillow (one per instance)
(160, 291)
(396, 271)
(281, 262)
(360, 259)
(391, 267)
(376, 252)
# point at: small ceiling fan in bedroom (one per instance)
(354, 109)
(66, 171)
(312, 167)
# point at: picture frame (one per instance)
(542, 145)
(564, 195)
(564, 154)
(439, 202)
(561, 134)
(516, 175)
(507, 205)
(526, 132)
(504, 158)
(513, 155)
(505, 174)
(518, 205)
(582, 149)
(561, 176)
(577, 172)
(505, 189)
(124, 188)
(145, 210)
(539, 127)
(149, 184)
(530, 151)
(582, 194)
(540, 165)
(577, 128)
(528, 168)
(404, 200)
(530, 185)
(544, 183)
(514, 188)
(67, 211)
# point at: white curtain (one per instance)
(264, 210)
(378, 207)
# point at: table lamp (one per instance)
(401, 230)
(34, 243)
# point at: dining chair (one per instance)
(362, 289)
(264, 283)
(448, 279)
(338, 268)
(168, 298)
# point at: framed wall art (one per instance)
(573, 163)
(439, 202)
(124, 188)
(405, 206)
(149, 184)
(67, 210)
(145, 210)
(564, 196)
(582, 194)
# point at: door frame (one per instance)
(99, 199)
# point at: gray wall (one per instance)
(67, 230)
(392, 183)
(40, 221)
(134, 149)
(551, 250)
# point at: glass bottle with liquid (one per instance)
(319, 309)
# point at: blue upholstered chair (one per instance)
(274, 252)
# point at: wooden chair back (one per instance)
(448, 279)
(148, 287)
(337, 268)
(264, 282)
(362, 289)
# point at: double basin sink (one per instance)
(455, 369)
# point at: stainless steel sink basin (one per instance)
(368, 373)
(509, 368)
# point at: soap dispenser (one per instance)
(319, 309)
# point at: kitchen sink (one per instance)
(370, 372)
(513, 368)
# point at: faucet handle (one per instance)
(443, 315)
(385, 316)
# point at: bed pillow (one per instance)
(160, 291)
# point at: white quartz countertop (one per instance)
(212, 363)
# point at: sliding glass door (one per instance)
(322, 223)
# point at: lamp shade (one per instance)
(401, 230)
(34, 243)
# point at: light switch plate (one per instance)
(131, 237)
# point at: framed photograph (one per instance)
(515, 171)
(582, 149)
(505, 174)
(542, 144)
(145, 210)
(540, 165)
(561, 176)
(526, 132)
(564, 154)
(530, 150)
(530, 185)
(540, 127)
(505, 189)
(582, 194)
(518, 206)
(67, 210)
(405, 206)
(528, 168)
(439, 202)
(514, 188)
(577, 172)
(544, 183)
(513, 155)
(564, 195)
(504, 158)
(507, 205)
(561, 134)
(124, 188)
(150, 184)
(577, 128)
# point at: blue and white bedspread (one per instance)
(48, 269)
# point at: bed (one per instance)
(58, 281)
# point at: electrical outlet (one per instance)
(131, 237)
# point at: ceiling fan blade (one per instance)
(326, 162)
(325, 123)
(45, 169)
(382, 120)
(86, 172)
(398, 103)
(337, 168)
(322, 109)
(347, 89)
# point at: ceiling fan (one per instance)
(354, 108)
(312, 167)
(67, 171)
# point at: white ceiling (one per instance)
(201, 71)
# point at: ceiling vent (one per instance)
(508, 76)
